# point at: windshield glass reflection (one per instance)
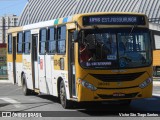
(110, 48)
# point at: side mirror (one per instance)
(75, 35)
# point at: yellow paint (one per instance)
(156, 58)
(56, 62)
(14, 34)
(85, 94)
(26, 65)
(71, 26)
(9, 58)
(19, 58)
(60, 21)
(14, 29)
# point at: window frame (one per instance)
(49, 41)
(43, 41)
(60, 38)
(18, 52)
(29, 42)
(10, 44)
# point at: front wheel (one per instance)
(63, 98)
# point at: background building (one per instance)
(3, 62)
(6, 22)
(42, 10)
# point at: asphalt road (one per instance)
(12, 99)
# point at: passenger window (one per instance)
(43, 40)
(27, 38)
(20, 43)
(9, 43)
(52, 42)
(61, 35)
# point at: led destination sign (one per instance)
(114, 20)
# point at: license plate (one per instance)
(118, 94)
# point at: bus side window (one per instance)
(9, 43)
(20, 43)
(52, 47)
(61, 35)
(27, 38)
(42, 42)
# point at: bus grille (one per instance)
(117, 77)
(131, 95)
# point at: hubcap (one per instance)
(62, 95)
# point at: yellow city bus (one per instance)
(88, 57)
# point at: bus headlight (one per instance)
(145, 83)
(87, 84)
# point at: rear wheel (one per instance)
(63, 98)
(26, 91)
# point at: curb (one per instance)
(5, 81)
(156, 78)
(156, 83)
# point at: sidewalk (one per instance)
(156, 83)
(5, 81)
(156, 78)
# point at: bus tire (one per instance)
(63, 98)
(26, 91)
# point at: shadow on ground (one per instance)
(109, 109)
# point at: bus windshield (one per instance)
(114, 48)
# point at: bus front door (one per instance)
(71, 66)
